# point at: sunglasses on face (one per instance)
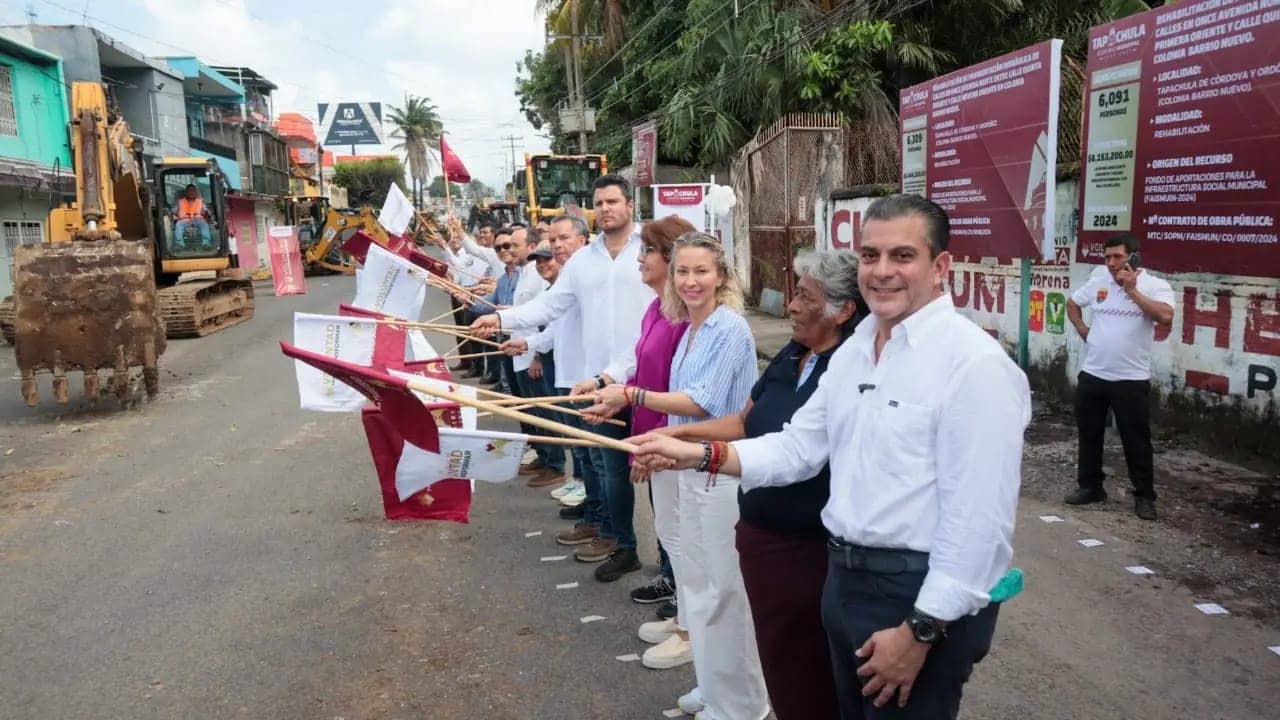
(502, 246)
(647, 249)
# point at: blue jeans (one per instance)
(619, 495)
(180, 230)
(584, 468)
(552, 456)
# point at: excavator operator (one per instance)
(191, 211)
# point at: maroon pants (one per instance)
(784, 575)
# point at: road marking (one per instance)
(567, 586)
(1274, 648)
(1212, 609)
(1140, 570)
(632, 657)
(1050, 518)
(1090, 542)
(553, 558)
(535, 533)
(591, 619)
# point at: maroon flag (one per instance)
(358, 244)
(400, 417)
(444, 500)
(454, 170)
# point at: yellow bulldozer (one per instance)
(552, 185)
(113, 279)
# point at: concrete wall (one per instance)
(1214, 372)
(25, 207)
(40, 106)
(150, 95)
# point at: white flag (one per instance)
(419, 347)
(396, 211)
(344, 338)
(468, 413)
(489, 456)
(390, 285)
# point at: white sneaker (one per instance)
(529, 456)
(575, 497)
(658, 631)
(670, 653)
(691, 702)
(567, 487)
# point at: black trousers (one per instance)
(1130, 401)
(858, 603)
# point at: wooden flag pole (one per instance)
(548, 400)
(428, 326)
(441, 316)
(553, 426)
(504, 400)
(470, 356)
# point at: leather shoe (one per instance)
(1084, 496)
(1144, 508)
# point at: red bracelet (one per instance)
(627, 393)
(713, 467)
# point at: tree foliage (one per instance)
(713, 80)
(368, 181)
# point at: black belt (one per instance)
(876, 560)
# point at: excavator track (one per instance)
(7, 328)
(201, 307)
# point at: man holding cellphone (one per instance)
(1127, 304)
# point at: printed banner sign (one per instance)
(286, 261)
(351, 123)
(982, 143)
(1182, 138)
(685, 201)
(644, 153)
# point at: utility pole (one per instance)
(577, 77)
(511, 140)
(573, 74)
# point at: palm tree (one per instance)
(418, 127)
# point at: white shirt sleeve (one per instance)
(622, 367)
(794, 454)
(979, 469)
(1159, 290)
(542, 342)
(489, 255)
(544, 308)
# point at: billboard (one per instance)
(644, 152)
(1182, 138)
(351, 123)
(982, 143)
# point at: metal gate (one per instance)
(785, 169)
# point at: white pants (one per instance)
(713, 602)
(666, 523)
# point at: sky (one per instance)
(462, 54)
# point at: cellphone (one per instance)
(1134, 260)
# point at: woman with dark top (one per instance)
(781, 542)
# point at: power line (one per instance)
(657, 14)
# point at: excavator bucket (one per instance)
(86, 306)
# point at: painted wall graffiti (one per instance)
(1223, 346)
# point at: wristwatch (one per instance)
(926, 628)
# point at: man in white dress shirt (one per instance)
(603, 281)
(921, 415)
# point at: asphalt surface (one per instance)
(218, 553)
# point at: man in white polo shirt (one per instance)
(1127, 304)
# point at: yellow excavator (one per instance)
(111, 282)
(323, 252)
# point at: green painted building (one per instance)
(35, 157)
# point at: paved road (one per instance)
(217, 553)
